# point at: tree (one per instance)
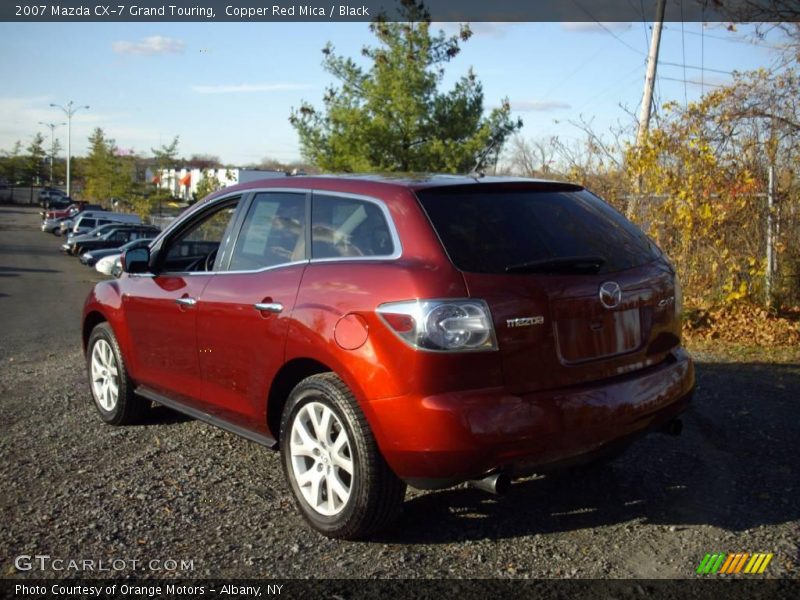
(11, 164)
(703, 173)
(211, 183)
(392, 117)
(34, 159)
(107, 175)
(204, 161)
(166, 155)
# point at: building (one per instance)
(182, 183)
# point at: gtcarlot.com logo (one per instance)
(45, 562)
(720, 563)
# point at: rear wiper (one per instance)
(563, 264)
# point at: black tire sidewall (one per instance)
(304, 394)
(103, 332)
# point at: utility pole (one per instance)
(650, 78)
(52, 127)
(770, 256)
(647, 100)
(69, 110)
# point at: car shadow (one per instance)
(161, 415)
(734, 466)
(14, 271)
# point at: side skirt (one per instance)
(195, 413)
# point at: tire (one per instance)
(103, 358)
(337, 501)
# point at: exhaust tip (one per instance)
(496, 483)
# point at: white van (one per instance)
(90, 219)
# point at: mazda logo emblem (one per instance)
(610, 294)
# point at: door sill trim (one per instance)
(195, 413)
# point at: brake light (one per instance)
(441, 325)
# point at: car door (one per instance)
(244, 311)
(161, 308)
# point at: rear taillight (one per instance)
(441, 325)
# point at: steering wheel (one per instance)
(208, 263)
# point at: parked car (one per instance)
(106, 260)
(109, 265)
(57, 203)
(77, 241)
(48, 194)
(71, 210)
(54, 225)
(88, 220)
(384, 332)
(58, 221)
(112, 240)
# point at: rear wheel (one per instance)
(111, 387)
(340, 481)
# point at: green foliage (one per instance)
(209, 184)
(11, 164)
(34, 158)
(392, 117)
(703, 176)
(107, 175)
(166, 155)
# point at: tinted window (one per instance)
(273, 232)
(195, 248)
(487, 231)
(344, 227)
(90, 223)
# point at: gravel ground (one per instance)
(174, 488)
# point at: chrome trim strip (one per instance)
(272, 268)
(398, 247)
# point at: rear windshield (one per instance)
(499, 231)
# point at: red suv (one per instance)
(384, 332)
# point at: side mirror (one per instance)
(135, 260)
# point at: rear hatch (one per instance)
(577, 293)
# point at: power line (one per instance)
(735, 40)
(683, 52)
(685, 66)
(718, 85)
(614, 35)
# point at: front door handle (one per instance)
(186, 301)
(273, 307)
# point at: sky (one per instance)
(227, 89)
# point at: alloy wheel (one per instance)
(105, 375)
(321, 458)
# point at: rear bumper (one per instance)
(437, 441)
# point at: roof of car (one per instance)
(414, 181)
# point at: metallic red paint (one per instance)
(438, 418)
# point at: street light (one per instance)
(69, 110)
(52, 127)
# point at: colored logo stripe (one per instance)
(720, 562)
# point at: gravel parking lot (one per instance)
(176, 489)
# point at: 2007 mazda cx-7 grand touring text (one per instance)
(383, 332)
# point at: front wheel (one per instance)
(112, 388)
(340, 481)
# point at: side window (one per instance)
(273, 232)
(346, 227)
(195, 248)
(88, 223)
(119, 236)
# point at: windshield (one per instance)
(513, 230)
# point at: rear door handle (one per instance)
(186, 301)
(273, 307)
